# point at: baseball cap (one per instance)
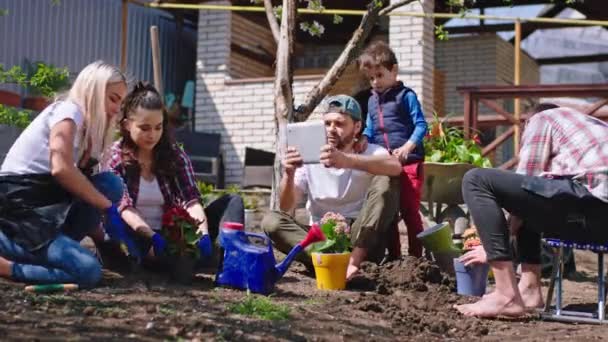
(343, 104)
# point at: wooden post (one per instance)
(516, 81)
(155, 43)
(123, 35)
(467, 115)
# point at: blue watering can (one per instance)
(249, 266)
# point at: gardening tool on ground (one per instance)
(248, 265)
(48, 288)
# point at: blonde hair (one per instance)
(89, 92)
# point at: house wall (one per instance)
(413, 41)
(75, 33)
(242, 109)
(478, 60)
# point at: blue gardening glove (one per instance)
(205, 246)
(159, 244)
(117, 231)
(115, 227)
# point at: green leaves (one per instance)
(315, 29)
(41, 78)
(335, 242)
(338, 19)
(48, 80)
(441, 33)
(448, 145)
(15, 117)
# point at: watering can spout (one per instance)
(314, 235)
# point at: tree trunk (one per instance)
(283, 102)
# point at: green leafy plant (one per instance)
(261, 307)
(445, 144)
(39, 78)
(250, 202)
(47, 80)
(337, 235)
(15, 117)
(207, 192)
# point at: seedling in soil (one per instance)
(260, 307)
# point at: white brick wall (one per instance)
(412, 40)
(242, 111)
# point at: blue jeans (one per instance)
(64, 260)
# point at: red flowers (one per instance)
(181, 231)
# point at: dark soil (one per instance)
(405, 300)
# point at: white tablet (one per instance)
(308, 137)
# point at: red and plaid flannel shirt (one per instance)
(564, 142)
(180, 190)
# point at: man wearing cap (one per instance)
(363, 187)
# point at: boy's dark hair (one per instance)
(377, 54)
(144, 95)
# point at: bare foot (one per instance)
(531, 296)
(493, 305)
(6, 268)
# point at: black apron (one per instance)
(33, 209)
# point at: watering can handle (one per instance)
(260, 236)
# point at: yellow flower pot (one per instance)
(330, 270)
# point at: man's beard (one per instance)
(343, 142)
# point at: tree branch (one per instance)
(388, 9)
(354, 45)
(272, 20)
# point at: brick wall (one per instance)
(242, 110)
(465, 61)
(413, 41)
(478, 60)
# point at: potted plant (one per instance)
(12, 123)
(207, 192)
(43, 83)
(448, 156)
(251, 207)
(180, 230)
(330, 257)
(471, 280)
(13, 75)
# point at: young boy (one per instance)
(395, 120)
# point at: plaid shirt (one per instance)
(180, 190)
(563, 142)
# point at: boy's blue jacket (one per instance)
(394, 117)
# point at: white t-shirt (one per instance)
(339, 190)
(30, 153)
(150, 203)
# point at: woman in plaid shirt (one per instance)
(158, 175)
(560, 189)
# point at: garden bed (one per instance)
(403, 300)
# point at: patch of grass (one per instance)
(167, 310)
(314, 301)
(115, 312)
(261, 307)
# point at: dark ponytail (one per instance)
(144, 95)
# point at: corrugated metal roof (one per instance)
(76, 32)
